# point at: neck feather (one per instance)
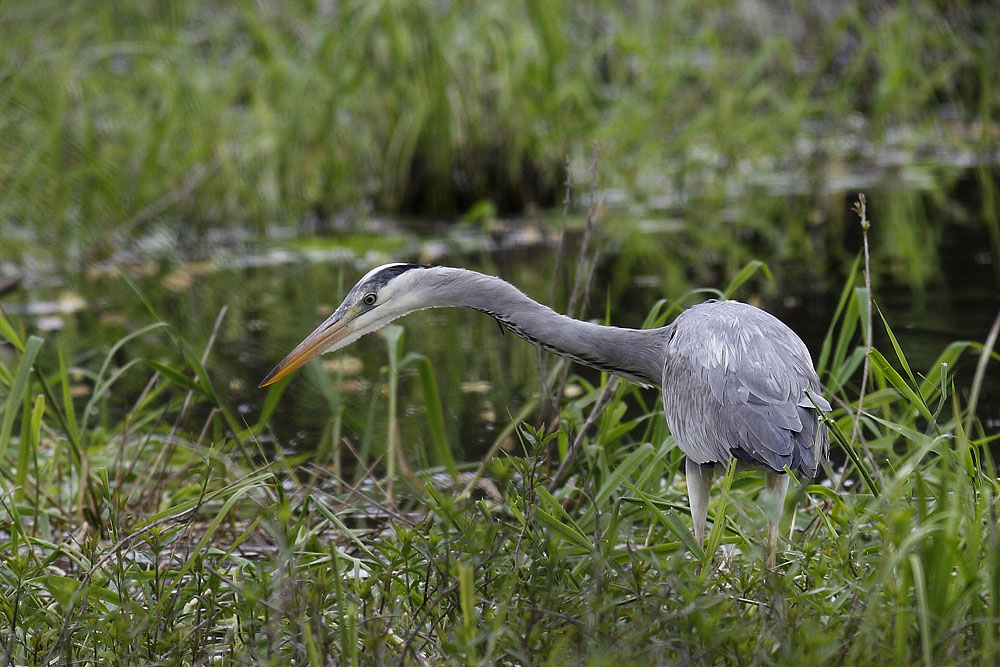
(634, 354)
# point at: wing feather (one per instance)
(739, 383)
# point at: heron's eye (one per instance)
(370, 299)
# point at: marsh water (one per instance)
(275, 291)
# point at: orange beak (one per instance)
(335, 329)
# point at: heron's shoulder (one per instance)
(731, 334)
(734, 354)
(728, 315)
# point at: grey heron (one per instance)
(737, 383)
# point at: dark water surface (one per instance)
(275, 295)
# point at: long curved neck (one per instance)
(635, 354)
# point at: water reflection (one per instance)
(276, 296)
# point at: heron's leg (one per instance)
(699, 483)
(775, 489)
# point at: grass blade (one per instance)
(670, 520)
(719, 516)
(28, 451)
(235, 492)
(556, 519)
(745, 274)
(435, 417)
(67, 400)
(9, 334)
(896, 347)
(881, 365)
(923, 612)
(852, 454)
(18, 390)
(827, 349)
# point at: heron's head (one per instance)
(385, 293)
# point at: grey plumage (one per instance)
(736, 382)
(739, 383)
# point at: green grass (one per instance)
(169, 535)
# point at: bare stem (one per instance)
(861, 209)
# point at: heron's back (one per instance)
(737, 382)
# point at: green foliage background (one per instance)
(117, 117)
